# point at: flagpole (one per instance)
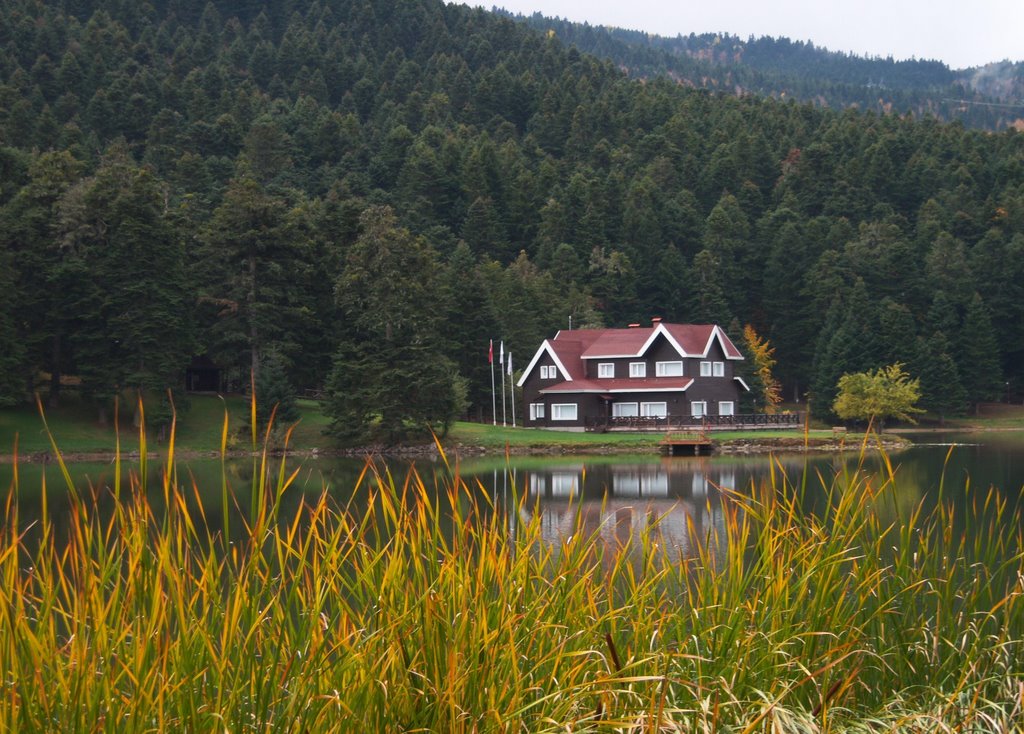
(501, 361)
(494, 399)
(512, 388)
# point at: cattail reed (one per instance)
(418, 609)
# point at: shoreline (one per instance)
(748, 446)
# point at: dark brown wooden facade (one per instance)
(606, 377)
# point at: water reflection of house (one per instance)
(679, 505)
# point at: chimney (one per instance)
(634, 326)
(656, 320)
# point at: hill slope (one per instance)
(989, 97)
(184, 178)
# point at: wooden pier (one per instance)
(686, 443)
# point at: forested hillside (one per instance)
(360, 193)
(989, 97)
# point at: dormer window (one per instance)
(606, 369)
(668, 369)
(638, 369)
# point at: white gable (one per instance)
(718, 334)
(545, 348)
(661, 330)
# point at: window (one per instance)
(705, 369)
(726, 408)
(654, 410)
(564, 412)
(564, 484)
(548, 372)
(719, 369)
(626, 484)
(606, 369)
(698, 408)
(668, 369)
(625, 410)
(638, 369)
(536, 411)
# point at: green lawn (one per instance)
(76, 430)
(200, 421)
(991, 416)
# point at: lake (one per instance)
(686, 497)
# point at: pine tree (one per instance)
(131, 305)
(391, 379)
(257, 263)
(979, 357)
(708, 304)
(41, 304)
(275, 393)
(12, 387)
(941, 390)
(847, 344)
(470, 325)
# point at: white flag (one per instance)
(510, 364)
(501, 354)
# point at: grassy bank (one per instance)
(77, 431)
(497, 438)
(428, 610)
(990, 416)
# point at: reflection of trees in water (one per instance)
(678, 507)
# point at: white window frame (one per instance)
(536, 411)
(544, 369)
(605, 370)
(668, 369)
(646, 408)
(718, 369)
(726, 407)
(698, 409)
(617, 410)
(564, 484)
(560, 411)
(626, 484)
(705, 369)
(638, 369)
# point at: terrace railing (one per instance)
(685, 422)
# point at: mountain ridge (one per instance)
(988, 97)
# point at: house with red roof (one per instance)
(638, 377)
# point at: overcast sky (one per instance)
(962, 33)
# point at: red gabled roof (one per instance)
(616, 342)
(693, 340)
(570, 348)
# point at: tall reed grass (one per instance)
(422, 611)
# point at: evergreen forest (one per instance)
(355, 196)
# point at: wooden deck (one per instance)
(686, 443)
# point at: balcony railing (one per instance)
(685, 422)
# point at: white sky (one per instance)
(962, 33)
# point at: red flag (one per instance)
(490, 353)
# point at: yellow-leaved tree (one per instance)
(887, 392)
(762, 354)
